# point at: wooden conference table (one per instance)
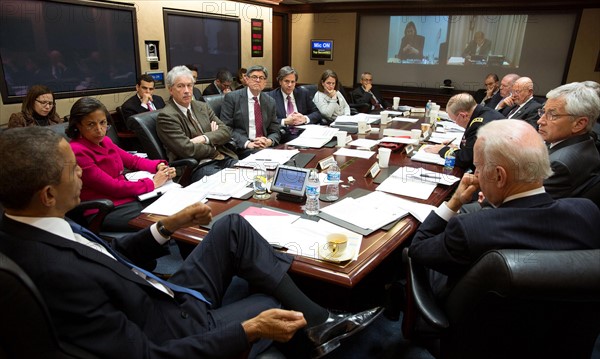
(375, 247)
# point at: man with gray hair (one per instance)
(190, 129)
(221, 85)
(463, 110)
(294, 105)
(566, 123)
(366, 93)
(506, 85)
(526, 107)
(511, 164)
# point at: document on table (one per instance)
(353, 153)
(174, 201)
(268, 158)
(138, 175)
(453, 137)
(403, 140)
(227, 183)
(353, 120)
(363, 142)
(300, 236)
(422, 156)
(314, 136)
(403, 182)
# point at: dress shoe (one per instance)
(326, 336)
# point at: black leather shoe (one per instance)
(326, 337)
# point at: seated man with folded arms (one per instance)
(190, 129)
(506, 102)
(294, 106)
(104, 304)
(463, 110)
(511, 164)
(221, 85)
(525, 107)
(144, 100)
(368, 94)
(251, 114)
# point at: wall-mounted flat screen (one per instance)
(76, 48)
(321, 50)
(211, 43)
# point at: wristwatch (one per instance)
(162, 230)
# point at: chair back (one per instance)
(215, 102)
(144, 126)
(311, 90)
(27, 330)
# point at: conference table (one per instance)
(375, 248)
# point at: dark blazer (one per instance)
(417, 42)
(211, 90)
(575, 162)
(304, 105)
(527, 113)
(133, 105)
(234, 113)
(471, 48)
(534, 222)
(493, 101)
(464, 155)
(359, 95)
(175, 132)
(197, 94)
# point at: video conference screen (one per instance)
(425, 50)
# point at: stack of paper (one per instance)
(422, 156)
(353, 120)
(138, 175)
(314, 136)
(269, 158)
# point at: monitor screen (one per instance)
(64, 45)
(321, 49)
(290, 180)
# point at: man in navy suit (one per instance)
(144, 100)
(366, 93)
(511, 164)
(101, 302)
(251, 114)
(492, 91)
(526, 107)
(506, 101)
(293, 105)
(221, 85)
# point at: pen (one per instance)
(429, 176)
(263, 159)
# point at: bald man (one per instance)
(526, 107)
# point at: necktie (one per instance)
(258, 120)
(512, 112)
(174, 287)
(194, 124)
(374, 103)
(151, 106)
(290, 105)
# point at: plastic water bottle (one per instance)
(427, 108)
(450, 159)
(333, 187)
(313, 189)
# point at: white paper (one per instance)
(405, 119)
(267, 158)
(402, 183)
(138, 175)
(422, 156)
(345, 119)
(408, 141)
(174, 201)
(354, 153)
(314, 136)
(363, 142)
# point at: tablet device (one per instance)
(290, 180)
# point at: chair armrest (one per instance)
(189, 165)
(104, 206)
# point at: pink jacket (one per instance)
(103, 167)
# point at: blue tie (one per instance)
(174, 287)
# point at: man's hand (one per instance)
(193, 215)
(368, 87)
(468, 185)
(295, 119)
(260, 142)
(275, 324)
(146, 97)
(198, 139)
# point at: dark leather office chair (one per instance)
(215, 102)
(310, 90)
(144, 126)
(26, 329)
(512, 304)
(593, 191)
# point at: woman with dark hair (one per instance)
(411, 46)
(330, 102)
(241, 79)
(103, 164)
(38, 109)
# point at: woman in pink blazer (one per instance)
(103, 165)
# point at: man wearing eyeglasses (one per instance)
(251, 114)
(367, 94)
(221, 85)
(506, 85)
(565, 124)
(526, 107)
(144, 99)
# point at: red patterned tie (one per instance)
(258, 123)
(290, 105)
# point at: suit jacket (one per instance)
(103, 167)
(493, 101)
(124, 316)
(211, 90)
(133, 105)
(417, 42)
(304, 104)
(527, 113)
(175, 132)
(534, 222)
(575, 162)
(197, 94)
(464, 156)
(359, 95)
(234, 113)
(471, 48)
(20, 119)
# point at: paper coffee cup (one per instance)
(341, 138)
(385, 118)
(396, 103)
(384, 157)
(362, 126)
(415, 134)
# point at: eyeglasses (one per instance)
(45, 103)
(367, 80)
(551, 116)
(257, 78)
(93, 125)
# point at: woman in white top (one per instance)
(328, 100)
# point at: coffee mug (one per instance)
(336, 243)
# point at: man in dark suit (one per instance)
(525, 106)
(143, 100)
(190, 129)
(492, 91)
(196, 91)
(566, 124)
(252, 115)
(478, 48)
(506, 102)
(366, 93)
(101, 302)
(463, 110)
(221, 85)
(293, 105)
(512, 162)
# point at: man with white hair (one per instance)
(526, 107)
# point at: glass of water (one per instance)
(259, 184)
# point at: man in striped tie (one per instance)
(100, 300)
(144, 98)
